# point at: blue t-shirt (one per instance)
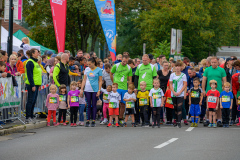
(92, 84)
(226, 99)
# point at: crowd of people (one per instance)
(151, 91)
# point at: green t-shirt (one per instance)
(238, 94)
(146, 73)
(214, 73)
(121, 73)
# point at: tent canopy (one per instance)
(19, 34)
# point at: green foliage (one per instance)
(163, 48)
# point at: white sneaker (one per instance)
(104, 122)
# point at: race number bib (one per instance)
(195, 94)
(105, 97)
(130, 105)
(169, 101)
(74, 99)
(226, 99)
(113, 105)
(212, 99)
(156, 95)
(53, 100)
(62, 98)
(239, 102)
(142, 102)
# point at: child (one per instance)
(114, 99)
(62, 104)
(3, 74)
(106, 75)
(212, 102)
(82, 103)
(73, 102)
(156, 101)
(130, 99)
(168, 106)
(238, 107)
(52, 103)
(195, 101)
(226, 102)
(106, 93)
(25, 46)
(143, 97)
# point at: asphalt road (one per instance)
(102, 143)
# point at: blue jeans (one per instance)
(31, 101)
(81, 110)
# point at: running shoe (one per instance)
(71, 125)
(219, 124)
(48, 124)
(185, 122)
(87, 124)
(224, 125)
(74, 124)
(55, 124)
(201, 120)
(179, 125)
(64, 124)
(159, 126)
(79, 123)
(93, 124)
(175, 124)
(231, 123)
(238, 124)
(227, 126)
(117, 125)
(104, 122)
(205, 124)
(167, 123)
(210, 125)
(82, 124)
(109, 125)
(195, 125)
(125, 124)
(134, 125)
(192, 125)
(214, 125)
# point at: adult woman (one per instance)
(11, 67)
(178, 83)
(56, 61)
(164, 75)
(33, 82)
(92, 82)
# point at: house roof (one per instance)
(16, 27)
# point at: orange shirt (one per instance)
(168, 103)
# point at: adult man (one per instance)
(110, 59)
(121, 72)
(161, 59)
(4, 56)
(214, 72)
(145, 72)
(138, 62)
(79, 53)
(68, 53)
(61, 72)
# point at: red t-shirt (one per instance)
(222, 65)
(168, 103)
(212, 98)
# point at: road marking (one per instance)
(190, 129)
(166, 143)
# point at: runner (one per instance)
(122, 74)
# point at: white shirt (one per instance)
(156, 97)
(128, 96)
(114, 97)
(105, 95)
(88, 87)
(179, 84)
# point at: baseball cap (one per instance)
(229, 59)
(49, 52)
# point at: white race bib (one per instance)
(212, 99)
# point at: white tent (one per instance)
(16, 41)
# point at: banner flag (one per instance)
(179, 41)
(107, 15)
(173, 41)
(59, 10)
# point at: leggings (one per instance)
(62, 113)
(169, 113)
(156, 115)
(178, 103)
(50, 114)
(73, 116)
(144, 114)
(81, 110)
(92, 105)
(105, 108)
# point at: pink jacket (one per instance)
(52, 102)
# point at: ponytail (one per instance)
(30, 52)
(93, 60)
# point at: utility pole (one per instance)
(1, 9)
(10, 30)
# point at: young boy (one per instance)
(72, 67)
(212, 102)
(226, 102)
(114, 99)
(156, 101)
(130, 99)
(143, 103)
(3, 74)
(169, 107)
(195, 101)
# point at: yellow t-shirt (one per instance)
(143, 98)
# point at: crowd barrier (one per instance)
(13, 100)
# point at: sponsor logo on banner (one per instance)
(60, 2)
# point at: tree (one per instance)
(163, 48)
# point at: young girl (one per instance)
(156, 101)
(52, 103)
(178, 83)
(82, 103)
(212, 102)
(130, 99)
(62, 104)
(73, 102)
(168, 106)
(238, 106)
(106, 92)
(25, 45)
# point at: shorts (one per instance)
(113, 111)
(122, 92)
(195, 110)
(130, 111)
(212, 109)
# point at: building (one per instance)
(228, 51)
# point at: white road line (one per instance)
(166, 143)
(190, 129)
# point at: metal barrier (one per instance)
(10, 99)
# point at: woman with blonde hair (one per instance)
(25, 45)
(11, 67)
